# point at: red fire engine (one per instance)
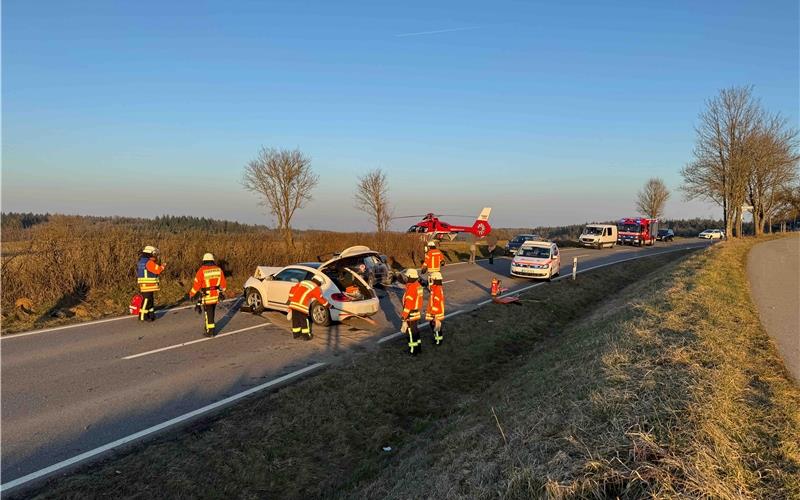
(637, 231)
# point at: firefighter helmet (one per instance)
(151, 250)
(436, 276)
(412, 274)
(432, 244)
(208, 257)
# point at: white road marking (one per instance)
(204, 339)
(97, 322)
(150, 430)
(400, 334)
(446, 282)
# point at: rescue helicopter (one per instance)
(435, 228)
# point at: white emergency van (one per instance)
(599, 235)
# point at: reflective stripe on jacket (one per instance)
(433, 260)
(412, 301)
(435, 303)
(210, 280)
(147, 274)
(302, 294)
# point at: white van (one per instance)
(599, 235)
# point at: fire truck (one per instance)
(637, 231)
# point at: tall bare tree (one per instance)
(284, 181)
(372, 197)
(771, 153)
(719, 171)
(651, 199)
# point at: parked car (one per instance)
(665, 235)
(517, 241)
(346, 289)
(599, 236)
(712, 234)
(536, 259)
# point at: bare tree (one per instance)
(372, 197)
(652, 198)
(719, 171)
(771, 153)
(284, 180)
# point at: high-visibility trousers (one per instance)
(300, 323)
(208, 317)
(148, 309)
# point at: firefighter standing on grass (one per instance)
(148, 272)
(301, 296)
(412, 311)
(435, 311)
(209, 281)
(434, 259)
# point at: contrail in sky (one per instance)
(434, 32)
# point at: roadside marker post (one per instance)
(574, 267)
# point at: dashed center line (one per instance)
(132, 356)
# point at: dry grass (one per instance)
(82, 269)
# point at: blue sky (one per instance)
(549, 113)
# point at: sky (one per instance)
(549, 112)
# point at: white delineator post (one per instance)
(574, 267)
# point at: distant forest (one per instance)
(13, 224)
(13, 221)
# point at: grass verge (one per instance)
(650, 378)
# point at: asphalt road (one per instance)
(67, 391)
(773, 269)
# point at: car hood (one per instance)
(264, 271)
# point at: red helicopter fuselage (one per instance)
(430, 224)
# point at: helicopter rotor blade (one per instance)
(409, 217)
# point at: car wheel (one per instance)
(254, 300)
(320, 314)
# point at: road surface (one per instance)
(69, 391)
(773, 268)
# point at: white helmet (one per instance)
(432, 244)
(435, 276)
(208, 257)
(150, 249)
(412, 274)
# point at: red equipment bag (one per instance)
(136, 303)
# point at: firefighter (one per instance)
(412, 311)
(435, 312)
(434, 259)
(209, 281)
(148, 277)
(301, 297)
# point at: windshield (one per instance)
(518, 240)
(593, 230)
(662, 231)
(629, 228)
(535, 252)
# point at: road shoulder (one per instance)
(773, 270)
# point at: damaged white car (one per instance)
(346, 289)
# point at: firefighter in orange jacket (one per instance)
(434, 259)
(301, 297)
(412, 311)
(148, 277)
(209, 281)
(435, 312)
